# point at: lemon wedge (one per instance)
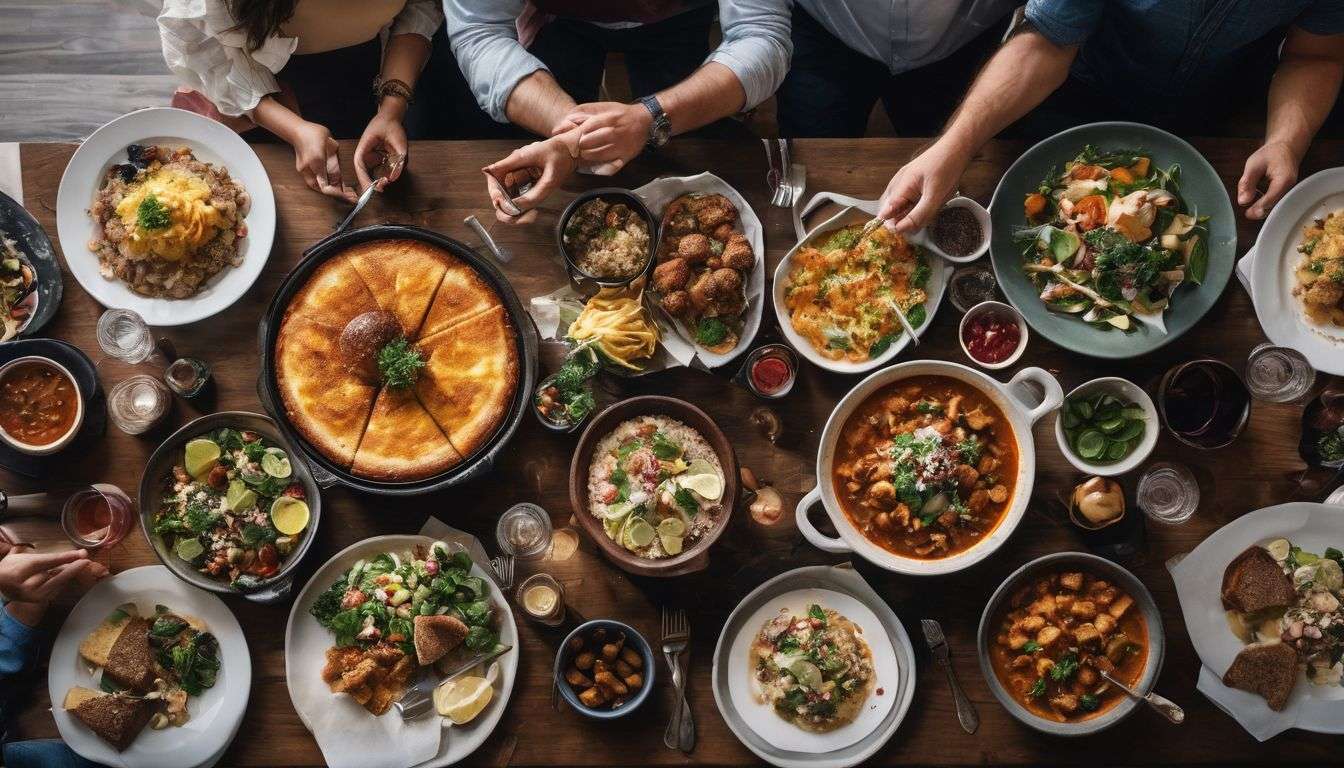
(703, 479)
(239, 497)
(461, 700)
(202, 456)
(289, 515)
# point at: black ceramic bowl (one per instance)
(584, 282)
(35, 247)
(160, 467)
(525, 338)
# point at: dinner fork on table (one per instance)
(966, 714)
(680, 733)
(503, 567)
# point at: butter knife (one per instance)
(933, 635)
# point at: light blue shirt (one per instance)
(756, 47)
(18, 647)
(907, 34)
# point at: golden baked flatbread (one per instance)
(402, 442)
(333, 294)
(323, 398)
(403, 276)
(462, 295)
(470, 375)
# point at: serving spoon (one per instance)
(1166, 707)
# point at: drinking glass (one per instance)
(91, 517)
(138, 403)
(542, 598)
(124, 335)
(524, 531)
(1278, 374)
(1204, 403)
(1168, 493)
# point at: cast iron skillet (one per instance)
(525, 339)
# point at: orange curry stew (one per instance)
(38, 403)
(1058, 632)
(925, 467)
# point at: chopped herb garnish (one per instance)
(153, 214)
(399, 363)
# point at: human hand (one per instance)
(32, 578)
(611, 134)
(921, 186)
(384, 137)
(317, 159)
(544, 163)
(1274, 163)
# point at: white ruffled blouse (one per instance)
(201, 47)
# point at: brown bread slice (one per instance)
(1265, 669)
(115, 719)
(1254, 582)
(437, 636)
(130, 663)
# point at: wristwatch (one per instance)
(661, 129)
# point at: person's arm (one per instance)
(1026, 70)
(408, 49)
(743, 71)
(510, 84)
(1305, 86)
(316, 154)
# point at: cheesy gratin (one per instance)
(167, 222)
(1320, 274)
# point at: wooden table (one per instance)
(442, 185)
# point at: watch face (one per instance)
(660, 132)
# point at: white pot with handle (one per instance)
(1021, 406)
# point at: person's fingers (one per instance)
(362, 151)
(58, 579)
(599, 137)
(1250, 179)
(33, 564)
(1279, 182)
(929, 201)
(310, 179)
(400, 147)
(333, 168)
(520, 158)
(898, 201)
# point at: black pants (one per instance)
(831, 88)
(657, 56)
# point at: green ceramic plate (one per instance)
(1202, 190)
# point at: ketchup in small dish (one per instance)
(770, 370)
(992, 334)
(39, 403)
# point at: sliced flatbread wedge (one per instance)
(470, 376)
(1265, 669)
(333, 294)
(130, 662)
(115, 719)
(1255, 582)
(403, 275)
(325, 400)
(437, 636)
(462, 294)
(402, 443)
(98, 645)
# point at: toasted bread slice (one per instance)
(96, 647)
(1265, 669)
(437, 636)
(115, 719)
(130, 663)
(1255, 582)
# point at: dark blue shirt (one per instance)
(1157, 50)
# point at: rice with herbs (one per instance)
(607, 239)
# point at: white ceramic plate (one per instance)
(215, 714)
(765, 733)
(1269, 266)
(211, 142)
(855, 212)
(306, 644)
(1199, 577)
(657, 194)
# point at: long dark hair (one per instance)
(260, 19)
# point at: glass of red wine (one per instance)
(1204, 403)
(92, 517)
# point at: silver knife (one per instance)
(933, 635)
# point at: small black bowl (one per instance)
(554, 426)
(583, 282)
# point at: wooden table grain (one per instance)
(442, 185)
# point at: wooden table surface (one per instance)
(441, 186)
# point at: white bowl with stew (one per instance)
(1134, 639)
(895, 542)
(57, 406)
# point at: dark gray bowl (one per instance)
(1143, 600)
(160, 465)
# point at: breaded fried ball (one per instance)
(694, 248)
(671, 275)
(677, 303)
(737, 253)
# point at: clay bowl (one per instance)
(693, 558)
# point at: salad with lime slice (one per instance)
(233, 508)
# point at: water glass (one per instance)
(90, 517)
(524, 531)
(96, 516)
(137, 403)
(124, 335)
(1168, 493)
(1278, 374)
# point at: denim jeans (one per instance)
(43, 753)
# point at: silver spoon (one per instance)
(1166, 707)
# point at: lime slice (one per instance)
(706, 485)
(202, 456)
(618, 510)
(463, 699)
(289, 515)
(672, 526)
(275, 463)
(189, 549)
(806, 673)
(640, 533)
(239, 497)
(671, 544)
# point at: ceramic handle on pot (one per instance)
(1053, 393)
(272, 593)
(814, 537)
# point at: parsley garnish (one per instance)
(710, 331)
(152, 214)
(1031, 646)
(1089, 702)
(399, 363)
(1065, 668)
(814, 611)
(1038, 689)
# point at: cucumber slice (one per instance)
(1111, 426)
(1083, 408)
(1132, 429)
(1090, 445)
(1117, 450)
(1070, 419)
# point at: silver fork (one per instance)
(783, 197)
(503, 567)
(680, 733)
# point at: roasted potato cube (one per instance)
(1104, 597)
(1105, 624)
(593, 697)
(1044, 606)
(1086, 634)
(1016, 640)
(1048, 635)
(1083, 609)
(1118, 608)
(1043, 666)
(611, 683)
(623, 670)
(577, 679)
(610, 651)
(634, 681)
(1071, 581)
(584, 660)
(1030, 624)
(1064, 602)
(1065, 702)
(631, 656)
